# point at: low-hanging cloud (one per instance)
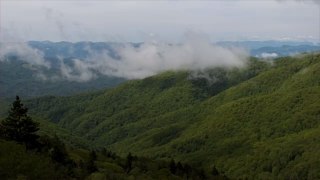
(24, 52)
(150, 58)
(80, 71)
(132, 61)
(266, 55)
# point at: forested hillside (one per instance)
(73, 163)
(257, 122)
(33, 150)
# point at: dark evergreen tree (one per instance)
(172, 166)
(214, 171)
(18, 126)
(104, 152)
(93, 155)
(129, 162)
(81, 164)
(202, 174)
(179, 169)
(91, 166)
(188, 170)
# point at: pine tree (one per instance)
(172, 166)
(214, 171)
(91, 166)
(93, 155)
(129, 162)
(18, 126)
(179, 169)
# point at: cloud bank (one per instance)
(150, 58)
(135, 62)
(24, 52)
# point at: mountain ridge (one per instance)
(229, 124)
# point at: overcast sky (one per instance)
(162, 20)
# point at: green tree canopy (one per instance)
(18, 126)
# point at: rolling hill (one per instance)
(260, 122)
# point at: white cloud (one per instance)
(269, 55)
(195, 53)
(24, 52)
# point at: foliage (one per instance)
(17, 163)
(18, 126)
(73, 163)
(261, 122)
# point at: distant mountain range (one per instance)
(82, 50)
(79, 50)
(272, 49)
(285, 50)
(17, 77)
(260, 44)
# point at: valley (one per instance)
(256, 122)
(159, 90)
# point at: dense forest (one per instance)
(27, 154)
(256, 122)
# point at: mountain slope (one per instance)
(20, 78)
(163, 94)
(258, 123)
